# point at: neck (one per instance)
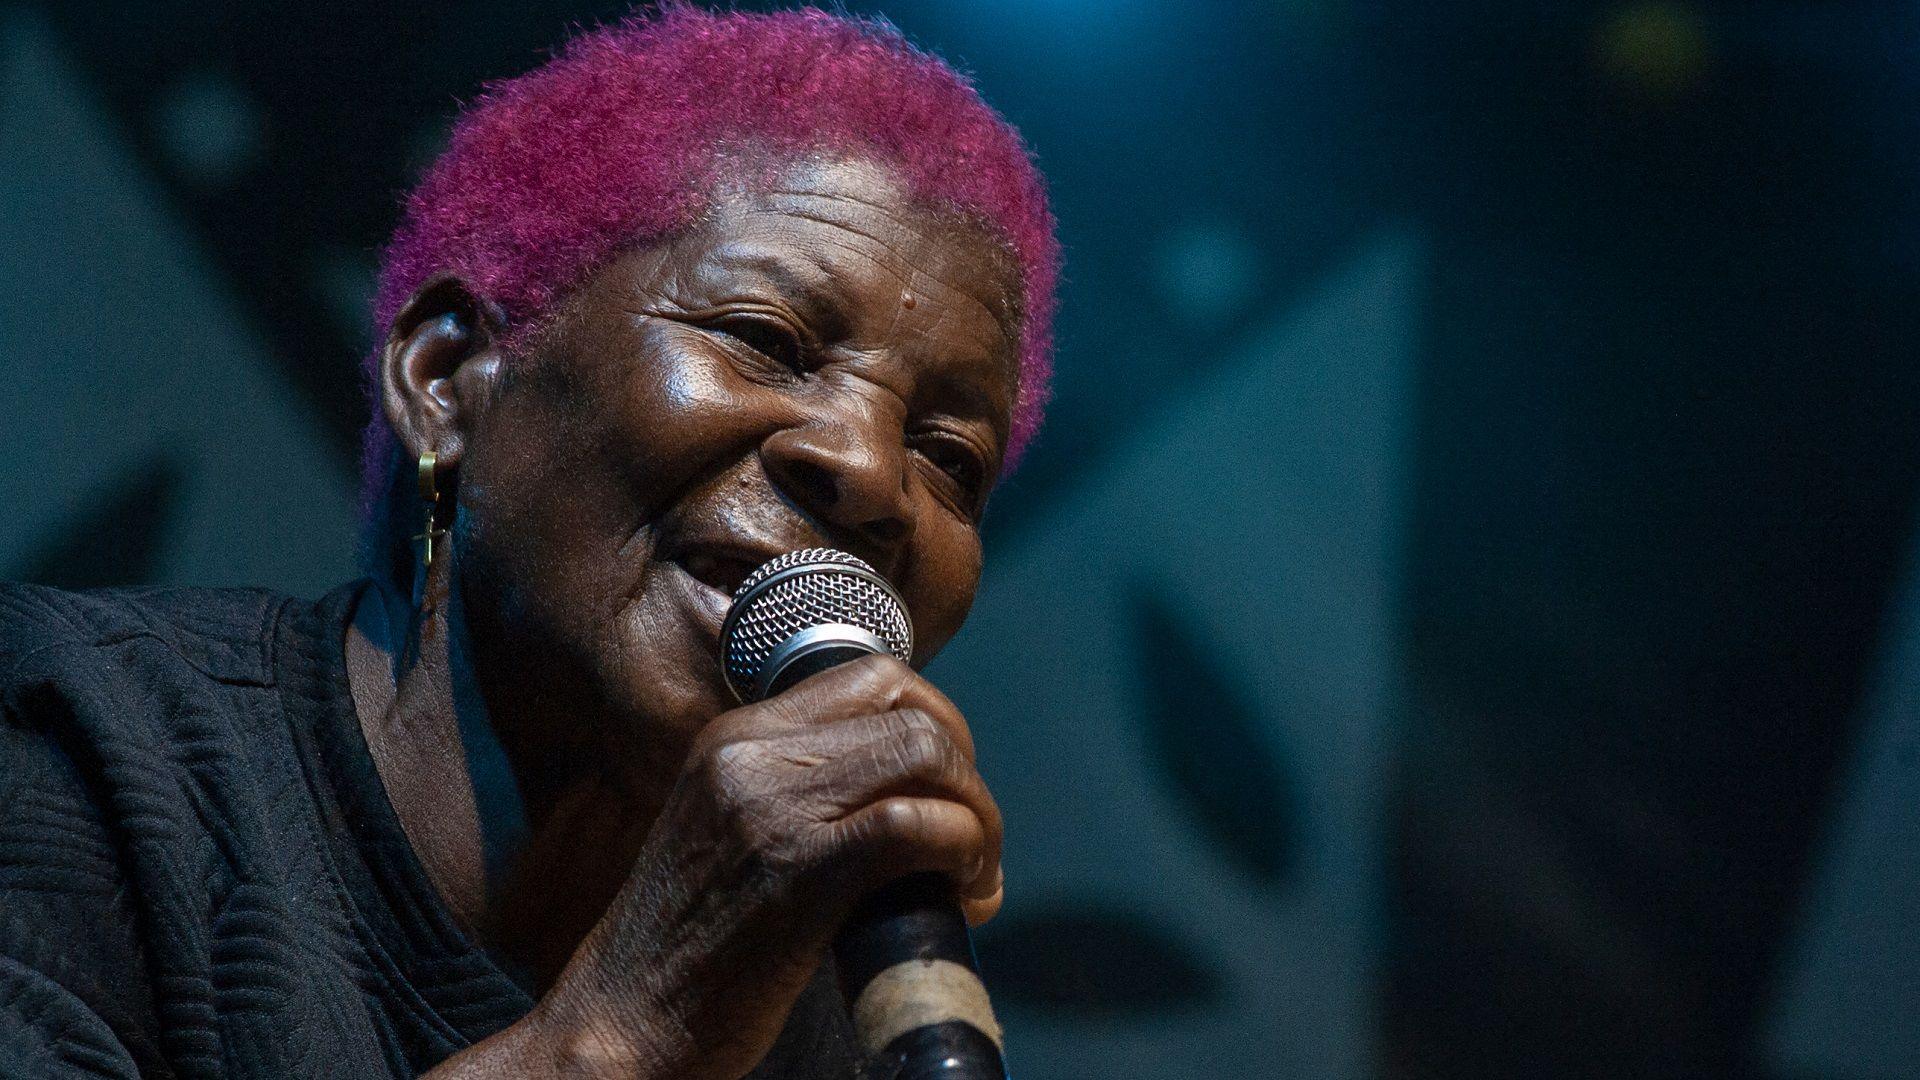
(528, 877)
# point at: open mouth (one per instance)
(719, 570)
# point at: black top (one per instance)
(200, 873)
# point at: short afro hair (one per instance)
(621, 140)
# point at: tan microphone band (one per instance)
(915, 994)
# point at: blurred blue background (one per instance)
(1463, 616)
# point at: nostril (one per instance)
(812, 483)
(849, 486)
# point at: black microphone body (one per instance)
(905, 963)
(915, 922)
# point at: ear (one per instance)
(439, 368)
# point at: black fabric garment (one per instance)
(200, 873)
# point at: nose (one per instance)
(847, 470)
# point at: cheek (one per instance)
(939, 583)
(570, 472)
(670, 415)
(642, 416)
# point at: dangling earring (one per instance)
(430, 494)
(432, 529)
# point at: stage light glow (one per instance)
(1207, 269)
(210, 126)
(1655, 48)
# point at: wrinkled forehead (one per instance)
(950, 250)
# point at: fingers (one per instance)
(883, 765)
(894, 794)
(899, 836)
(871, 684)
(979, 910)
(785, 813)
(901, 754)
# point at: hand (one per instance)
(786, 813)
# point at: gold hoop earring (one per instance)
(430, 494)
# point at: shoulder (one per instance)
(116, 691)
(224, 634)
(104, 686)
(138, 755)
(121, 711)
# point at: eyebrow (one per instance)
(809, 286)
(969, 399)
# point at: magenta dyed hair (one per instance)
(615, 142)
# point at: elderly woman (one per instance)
(702, 290)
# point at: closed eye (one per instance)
(767, 336)
(959, 465)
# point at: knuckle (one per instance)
(741, 777)
(918, 720)
(883, 671)
(784, 709)
(884, 664)
(901, 819)
(735, 760)
(913, 744)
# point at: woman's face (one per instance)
(822, 364)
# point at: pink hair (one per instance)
(617, 141)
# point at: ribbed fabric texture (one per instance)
(200, 873)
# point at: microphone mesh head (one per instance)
(803, 589)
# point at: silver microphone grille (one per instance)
(801, 590)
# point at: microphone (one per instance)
(906, 965)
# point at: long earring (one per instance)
(430, 494)
(432, 529)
